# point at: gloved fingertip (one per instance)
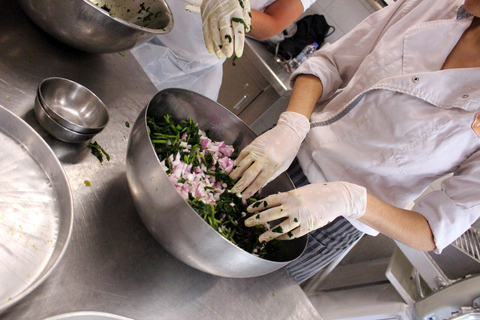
(234, 175)
(220, 54)
(252, 221)
(237, 188)
(209, 46)
(247, 194)
(228, 53)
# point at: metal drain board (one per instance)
(469, 243)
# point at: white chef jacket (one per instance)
(393, 121)
(179, 59)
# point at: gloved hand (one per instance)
(307, 208)
(225, 23)
(270, 154)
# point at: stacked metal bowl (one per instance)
(69, 111)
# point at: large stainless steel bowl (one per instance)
(168, 217)
(101, 26)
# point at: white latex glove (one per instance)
(225, 23)
(270, 154)
(307, 208)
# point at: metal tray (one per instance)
(88, 315)
(36, 209)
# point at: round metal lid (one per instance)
(36, 210)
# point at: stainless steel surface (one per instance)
(469, 243)
(461, 258)
(466, 315)
(264, 90)
(87, 26)
(248, 82)
(448, 301)
(112, 263)
(168, 216)
(428, 269)
(72, 105)
(265, 62)
(87, 315)
(36, 210)
(56, 129)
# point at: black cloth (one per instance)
(310, 29)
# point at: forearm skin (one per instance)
(405, 226)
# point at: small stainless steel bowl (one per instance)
(56, 129)
(73, 105)
(101, 26)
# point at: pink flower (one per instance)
(195, 180)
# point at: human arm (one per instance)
(406, 226)
(317, 78)
(313, 206)
(337, 63)
(224, 24)
(453, 207)
(306, 92)
(275, 18)
(436, 219)
(271, 153)
(309, 83)
(223, 32)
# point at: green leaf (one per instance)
(98, 151)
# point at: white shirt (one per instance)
(400, 122)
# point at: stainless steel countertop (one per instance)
(112, 263)
(264, 61)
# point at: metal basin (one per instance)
(88, 315)
(168, 217)
(101, 26)
(36, 210)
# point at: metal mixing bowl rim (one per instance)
(64, 121)
(166, 29)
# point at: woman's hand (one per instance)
(307, 208)
(270, 154)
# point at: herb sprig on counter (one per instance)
(98, 151)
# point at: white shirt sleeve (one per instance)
(337, 63)
(307, 3)
(451, 211)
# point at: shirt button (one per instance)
(465, 96)
(415, 79)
